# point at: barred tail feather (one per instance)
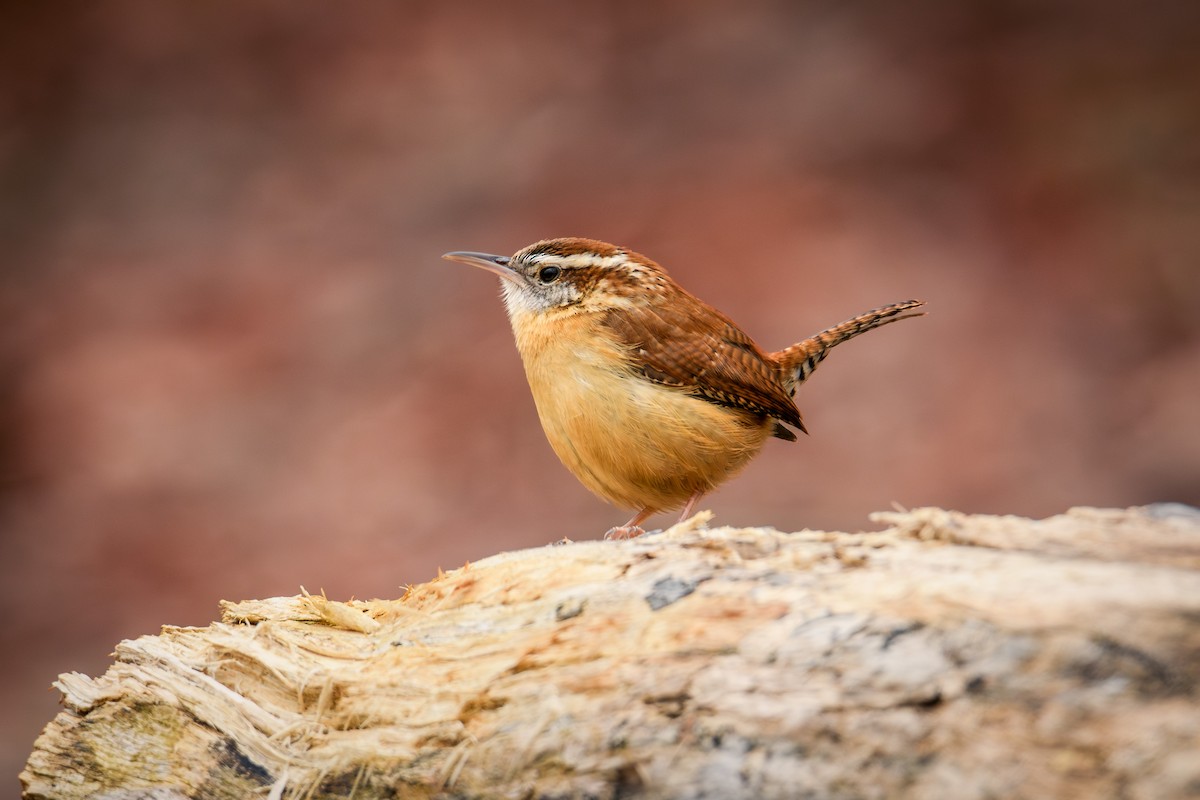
(797, 362)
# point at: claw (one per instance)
(623, 532)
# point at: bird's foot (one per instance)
(631, 529)
(624, 532)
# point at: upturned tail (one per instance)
(797, 362)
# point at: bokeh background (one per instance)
(232, 363)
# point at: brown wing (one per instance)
(692, 346)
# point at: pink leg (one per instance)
(691, 505)
(631, 529)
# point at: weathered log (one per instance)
(946, 656)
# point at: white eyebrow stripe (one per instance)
(581, 260)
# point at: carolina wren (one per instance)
(648, 395)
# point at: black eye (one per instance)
(549, 274)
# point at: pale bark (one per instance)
(948, 656)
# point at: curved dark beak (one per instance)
(496, 264)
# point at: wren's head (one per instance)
(565, 273)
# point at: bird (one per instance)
(648, 395)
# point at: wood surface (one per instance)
(946, 656)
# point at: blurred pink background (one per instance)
(232, 363)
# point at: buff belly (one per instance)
(635, 443)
